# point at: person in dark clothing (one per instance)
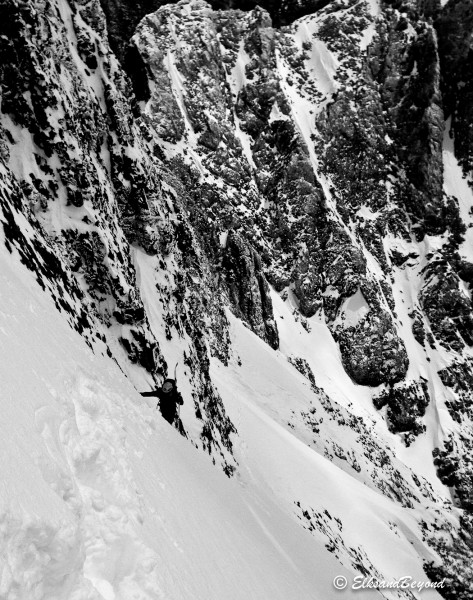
(169, 400)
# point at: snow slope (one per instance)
(260, 395)
(100, 498)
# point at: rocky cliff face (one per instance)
(454, 26)
(300, 151)
(84, 172)
(307, 157)
(325, 141)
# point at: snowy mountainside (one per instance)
(102, 500)
(283, 213)
(324, 140)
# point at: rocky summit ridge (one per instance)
(326, 158)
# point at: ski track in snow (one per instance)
(279, 463)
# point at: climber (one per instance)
(169, 401)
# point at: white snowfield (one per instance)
(101, 499)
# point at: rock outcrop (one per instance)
(454, 25)
(248, 288)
